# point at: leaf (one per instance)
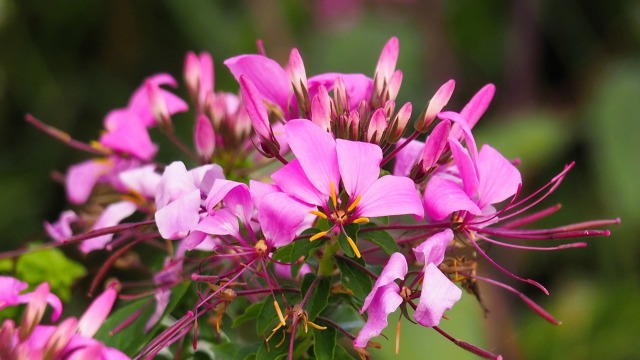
(271, 351)
(342, 354)
(352, 232)
(354, 278)
(251, 313)
(52, 266)
(380, 238)
(320, 297)
(325, 343)
(292, 252)
(266, 317)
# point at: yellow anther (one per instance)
(354, 203)
(277, 306)
(360, 220)
(318, 213)
(261, 247)
(318, 235)
(316, 326)
(334, 198)
(354, 247)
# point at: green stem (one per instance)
(327, 263)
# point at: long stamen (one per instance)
(360, 220)
(334, 198)
(318, 213)
(277, 306)
(354, 203)
(318, 235)
(398, 336)
(316, 326)
(354, 247)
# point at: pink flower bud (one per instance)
(435, 145)
(387, 62)
(321, 108)
(394, 84)
(255, 108)
(158, 104)
(436, 104)
(297, 71)
(204, 137)
(377, 126)
(97, 312)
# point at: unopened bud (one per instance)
(386, 63)
(257, 112)
(436, 104)
(399, 123)
(204, 137)
(321, 108)
(394, 85)
(377, 125)
(158, 104)
(435, 145)
(340, 97)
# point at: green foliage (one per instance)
(319, 299)
(52, 266)
(354, 278)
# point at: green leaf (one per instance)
(251, 313)
(380, 238)
(133, 337)
(325, 343)
(354, 278)
(292, 252)
(50, 265)
(266, 317)
(271, 351)
(352, 232)
(320, 297)
(342, 354)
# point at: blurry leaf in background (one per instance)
(52, 266)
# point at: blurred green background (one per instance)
(568, 80)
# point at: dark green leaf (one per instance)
(352, 232)
(292, 252)
(320, 297)
(354, 278)
(342, 354)
(251, 313)
(380, 238)
(325, 343)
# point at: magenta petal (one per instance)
(435, 144)
(432, 250)
(97, 312)
(291, 179)
(10, 289)
(237, 198)
(407, 157)
(438, 295)
(316, 151)
(255, 108)
(466, 168)
(176, 219)
(442, 197)
(358, 86)
(222, 222)
(267, 75)
(385, 301)
(82, 177)
(61, 229)
(259, 190)
(56, 305)
(499, 179)
(391, 195)
(130, 138)
(396, 268)
(478, 104)
(359, 164)
(111, 215)
(280, 217)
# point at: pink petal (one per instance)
(175, 182)
(97, 312)
(377, 125)
(321, 109)
(292, 179)
(478, 104)
(436, 144)
(259, 190)
(280, 217)
(10, 289)
(61, 229)
(391, 195)
(432, 250)
(466, 168)
(396, 268)
(237, 198)
(315, 149)
(385, 301)
(130, 138)
(359, 164)
(296, 68)
(438, 295)
(442, 197)
(203, 177)
(140, 103)
(111, 215)
(176, 219)
(162, 298)
(143, 180)
(499, 179)
(255, 107)
(82, 177)
(407, 157)
(388, 59)
(269, 78)
(222, 222)
(204, 137)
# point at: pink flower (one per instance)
(322, 163)
(10, 295)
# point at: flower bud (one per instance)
(204, 137)
(321, 108)
(436, 104)
(377, 126)
(435, 145)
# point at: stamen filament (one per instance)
(318, 235)
(318, 213)
(354, 203)
(277, 306)
(316, 326)
(360, 220)
(334, 198)
(354, 247)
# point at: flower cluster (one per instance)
(303, 198)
